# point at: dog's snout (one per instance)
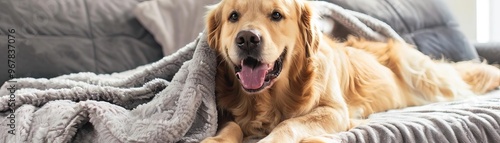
(248, 39)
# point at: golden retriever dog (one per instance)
(280, 79)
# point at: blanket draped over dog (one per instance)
(172, 100)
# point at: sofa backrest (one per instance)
(58, 37)
(427, 24)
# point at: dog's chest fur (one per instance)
(259, 114)
(256, 115)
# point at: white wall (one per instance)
(495, 20)
(465, 13)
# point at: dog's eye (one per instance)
(276, 16)
(234, 16)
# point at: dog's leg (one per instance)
(229, 133)
(321, 120)
(481, 77)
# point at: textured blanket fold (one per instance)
(172, 100)
(473, 120)
(167, 101)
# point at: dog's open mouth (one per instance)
(255, 75)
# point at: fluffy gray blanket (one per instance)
(474, 120)
(172, 100)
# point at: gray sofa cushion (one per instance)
(428, 24)
(489, 52)
(55, 37)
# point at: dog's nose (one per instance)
(248, 39)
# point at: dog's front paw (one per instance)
(314, 139)
(268, 141)
(271, 139)
(215, 140)
(320, 139)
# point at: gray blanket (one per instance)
(474, 120)
(167, 101)
(172, 100)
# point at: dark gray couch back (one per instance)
(427, 24)
(58, 37)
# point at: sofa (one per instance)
(59, 37)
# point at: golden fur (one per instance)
(324, 85)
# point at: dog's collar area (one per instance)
(258, 83)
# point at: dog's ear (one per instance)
(213, 23)
(308, 31)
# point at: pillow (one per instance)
(56, 37)
(427, 24)
(174, 23)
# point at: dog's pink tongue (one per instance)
(253, 78)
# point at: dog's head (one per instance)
(261, 39)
